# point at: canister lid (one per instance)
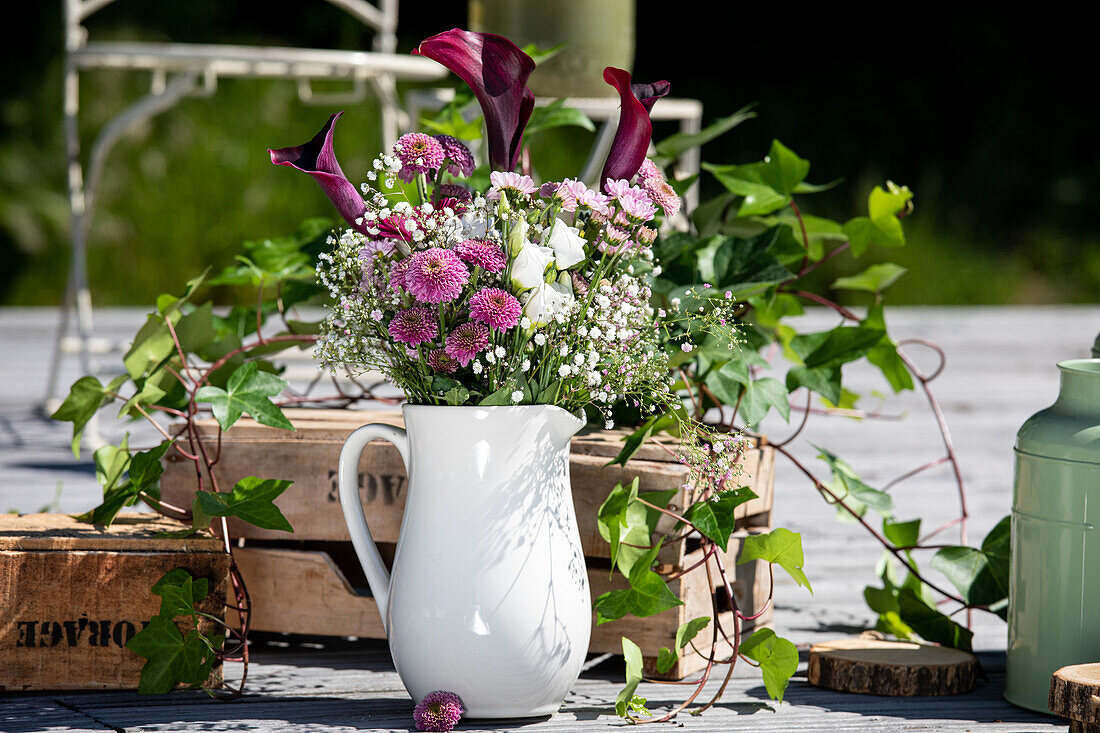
(1068, 430)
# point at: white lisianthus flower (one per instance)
(529, 266)
(568, 245)
(517, 237)
(541, 303)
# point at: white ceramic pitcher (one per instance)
(489, 595)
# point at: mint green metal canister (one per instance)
(1054, 592)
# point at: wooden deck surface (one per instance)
(1000, 370)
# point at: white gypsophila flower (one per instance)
(578, 359)
(489, 357)
(609, 424)
(595, 333)
(559, 317)
(563, 350)
(540, 338)
(582, 332)
(657, 270)
(526, 366)
(427, 207)
(567, 243)
(525, 323)
(517, 396)
(376, 315)
(675, 303)
(564, 370)
(500, 351)
(476, 367)
(685, 347)
(529, 266)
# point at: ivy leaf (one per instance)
(689, 630)
(251, 500)
(153, 343)
(901, 534)
(881, 226)
(742, 264)
(666, 659)
(780, 546)
(874, 279)
(632, 654)
(611, 517)
(145, 470)
(884, 354)
(930, 623)
(171, 657)
(248, 390)
(980, 575)
(761, 395)
(825, 380)
(747, 181)
(850, 483)
(635, 440)
(716, 518)
(85, 398)
(777, 657)
(783, 170)
(647, 595)
(837, 346)
(179, 592)
(111, 462)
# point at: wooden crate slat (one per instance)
(62, 532)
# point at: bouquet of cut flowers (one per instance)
(520, 294)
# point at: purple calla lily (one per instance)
(631, 142)
(318, 160)
(496, 70)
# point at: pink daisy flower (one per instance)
(467, 341)
(462, 160)
(436, 275)
(418, 153)
(442, 362)
(509, 181)
(438, 711)
(414, 326)
(481, 253)
(636, 204)
(595, 201)
(565, 193)
(375, 246)
(393, 227)
(663, 194)
(496, 308)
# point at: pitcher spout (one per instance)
(564, 424)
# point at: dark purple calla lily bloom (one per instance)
(318, 160)
(496, 70)
(631, 142)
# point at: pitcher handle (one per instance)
(378, 577)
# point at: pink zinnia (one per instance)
(481, 253)
(510, 181)
(649, 172)
(467, 341)
(441, 361)
(393, 227)
(496, 308)
(436, 275)
(438, 711)
(462, 160)
(414, 326)
(418, 153)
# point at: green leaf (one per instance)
(716, 518)
(251, 500)
(980, 575)
(761, 395)
(780, 546)
(884, 355)
(874, 279)
(153, 343)
(783, 170)
(85, 398)
(666, 659)
(930, 623)
(777, 657)
(647, 595)
(849, 482)
(179, 592)
(145, 470)
(248, 390)
(632, 654)
(741, 264)
(689, 630)
(111, 462)
(902, 534)
(825, 380)
(635, 440)
(840, 345)
(881, 227)
(556, 114)
(758, 197)
(611, 517)
(502, 396)
(171, 657)
(675, 145)
(540, 55)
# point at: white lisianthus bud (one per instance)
(529, 266)
(541, 303)
(517, 237)
(568, 245)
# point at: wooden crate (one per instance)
(73, 594)
(309, 456)
(310, 582)
(302, 591)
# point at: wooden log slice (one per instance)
(1075, 694)
(899, 668)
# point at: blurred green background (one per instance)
(989, 118)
